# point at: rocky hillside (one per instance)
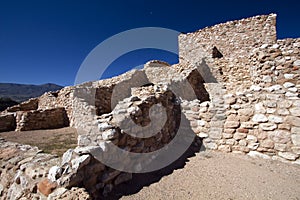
(23, 92)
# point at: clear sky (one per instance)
(45, 41)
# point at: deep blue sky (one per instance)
(46, 41)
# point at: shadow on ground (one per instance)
(145, 179)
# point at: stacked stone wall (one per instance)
(41, 119)
(254, 105)
(7, 122)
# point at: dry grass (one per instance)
(55, 141)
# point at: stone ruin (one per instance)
(235, 89)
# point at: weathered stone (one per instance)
(201, 123)
(240, 148)
(288, 155)
(255, 88)
(283, 111)
(239, 136)
(46, 187)
(224, 148)
(78, 163)
(268, 126)
(251, 138)
(242, 130)
(246, 112)
(54, 173)
(248, 125)
(274, 97)
(280, 147)
(227, 135)
(253, 145)
(216, 133)
(295, 111)
(230, 100)
(259, 118)
(289, 76)
(274, 88)
(291, 94)
(104, 126)
(243, 143)
(293, 89)
(259, 108)
(288, 84)
(276, 119)
(297, 63)
(296, 150)
(229, 130)
(211, 145)
(280, 136)
(67, 156)
(295, 130)
(296, 139)
(270, 104)
(285, 104)
(231, 124)
(267, 144)
(292, 120)
(284, 126)
(109, 134)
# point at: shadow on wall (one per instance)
(140, 180)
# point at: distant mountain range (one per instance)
(23, 92)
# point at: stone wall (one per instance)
(7, 122)
(62, 98)
(41, 119)
(31, 104)
(233, 39)
(254, 105)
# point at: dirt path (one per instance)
(226, 176)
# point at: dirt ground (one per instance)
(213, 175)
(204, 175)
(55, 141)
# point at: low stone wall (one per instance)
(42, 119)
(7, 122)
(108, 139)
(62, 98)
(31, 104)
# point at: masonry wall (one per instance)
(41, 119)
(7, 122)
(254, 105)
(233, 39)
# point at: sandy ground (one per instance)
(212, 175)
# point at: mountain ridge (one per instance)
(22, 92)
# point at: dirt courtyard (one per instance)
(55, 141)
(215, 175)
